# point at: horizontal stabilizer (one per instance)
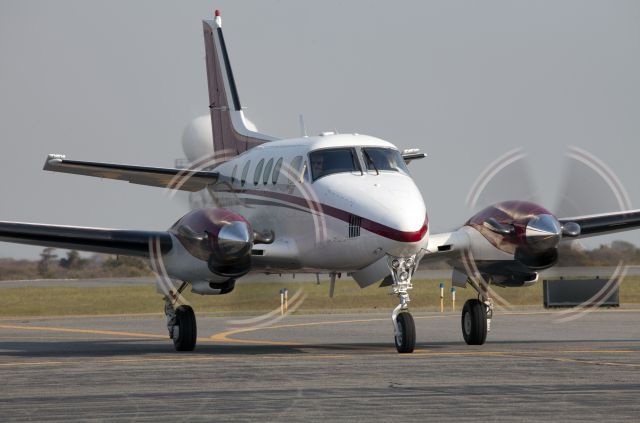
(180, 179)
(98, 240)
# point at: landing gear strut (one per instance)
(181, 322)
(476, 315)
(404, 327)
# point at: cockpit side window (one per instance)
(333, 160)
(379, 159)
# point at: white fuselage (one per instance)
(344, 221)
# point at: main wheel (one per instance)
(187, 331)
(474, 322)
(406, 339)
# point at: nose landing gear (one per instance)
(402, 268)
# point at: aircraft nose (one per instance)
(401, 218)
(403, 208)
(390, 206)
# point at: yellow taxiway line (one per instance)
(226, 336)
(92, 332)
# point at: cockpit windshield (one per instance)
(380, 159)
(333, 160)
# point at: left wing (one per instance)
(445, 246)
(605, 223)
(450, 244)
(180, 179)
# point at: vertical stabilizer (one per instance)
(231, 134)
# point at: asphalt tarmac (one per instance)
(535, 366)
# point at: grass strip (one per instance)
(257, 298)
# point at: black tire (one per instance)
(406, 342)
(474, 322)
(187, 330)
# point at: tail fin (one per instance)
(231, 134)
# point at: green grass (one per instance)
(256, 298)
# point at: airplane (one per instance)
(332, 204)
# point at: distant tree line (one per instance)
(72, 266)
(604, 255)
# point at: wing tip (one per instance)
(53, 160)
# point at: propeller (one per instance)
(528, 230)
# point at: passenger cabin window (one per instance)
(258, 172)
(267, 172)
(276, 171)
(333, 160)
(233, 174)
(380, 159)
(245, 171)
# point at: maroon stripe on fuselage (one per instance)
(314, 206)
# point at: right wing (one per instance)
(180, 179)
(98, 240)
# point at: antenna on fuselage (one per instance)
(303, 129)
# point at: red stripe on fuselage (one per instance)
(314, 206)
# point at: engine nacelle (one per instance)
(220, 238)
(525, 230)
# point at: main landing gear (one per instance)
(476, 316)
(181, 322)
(404, 327)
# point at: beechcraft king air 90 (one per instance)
(333, 203)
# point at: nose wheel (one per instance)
(405, 333)
(402, 268)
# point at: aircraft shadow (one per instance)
(140, 347)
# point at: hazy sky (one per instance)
(465, 81)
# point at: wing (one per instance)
(445, 246)
(186, 180)
(600, 224)
(110, 241)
